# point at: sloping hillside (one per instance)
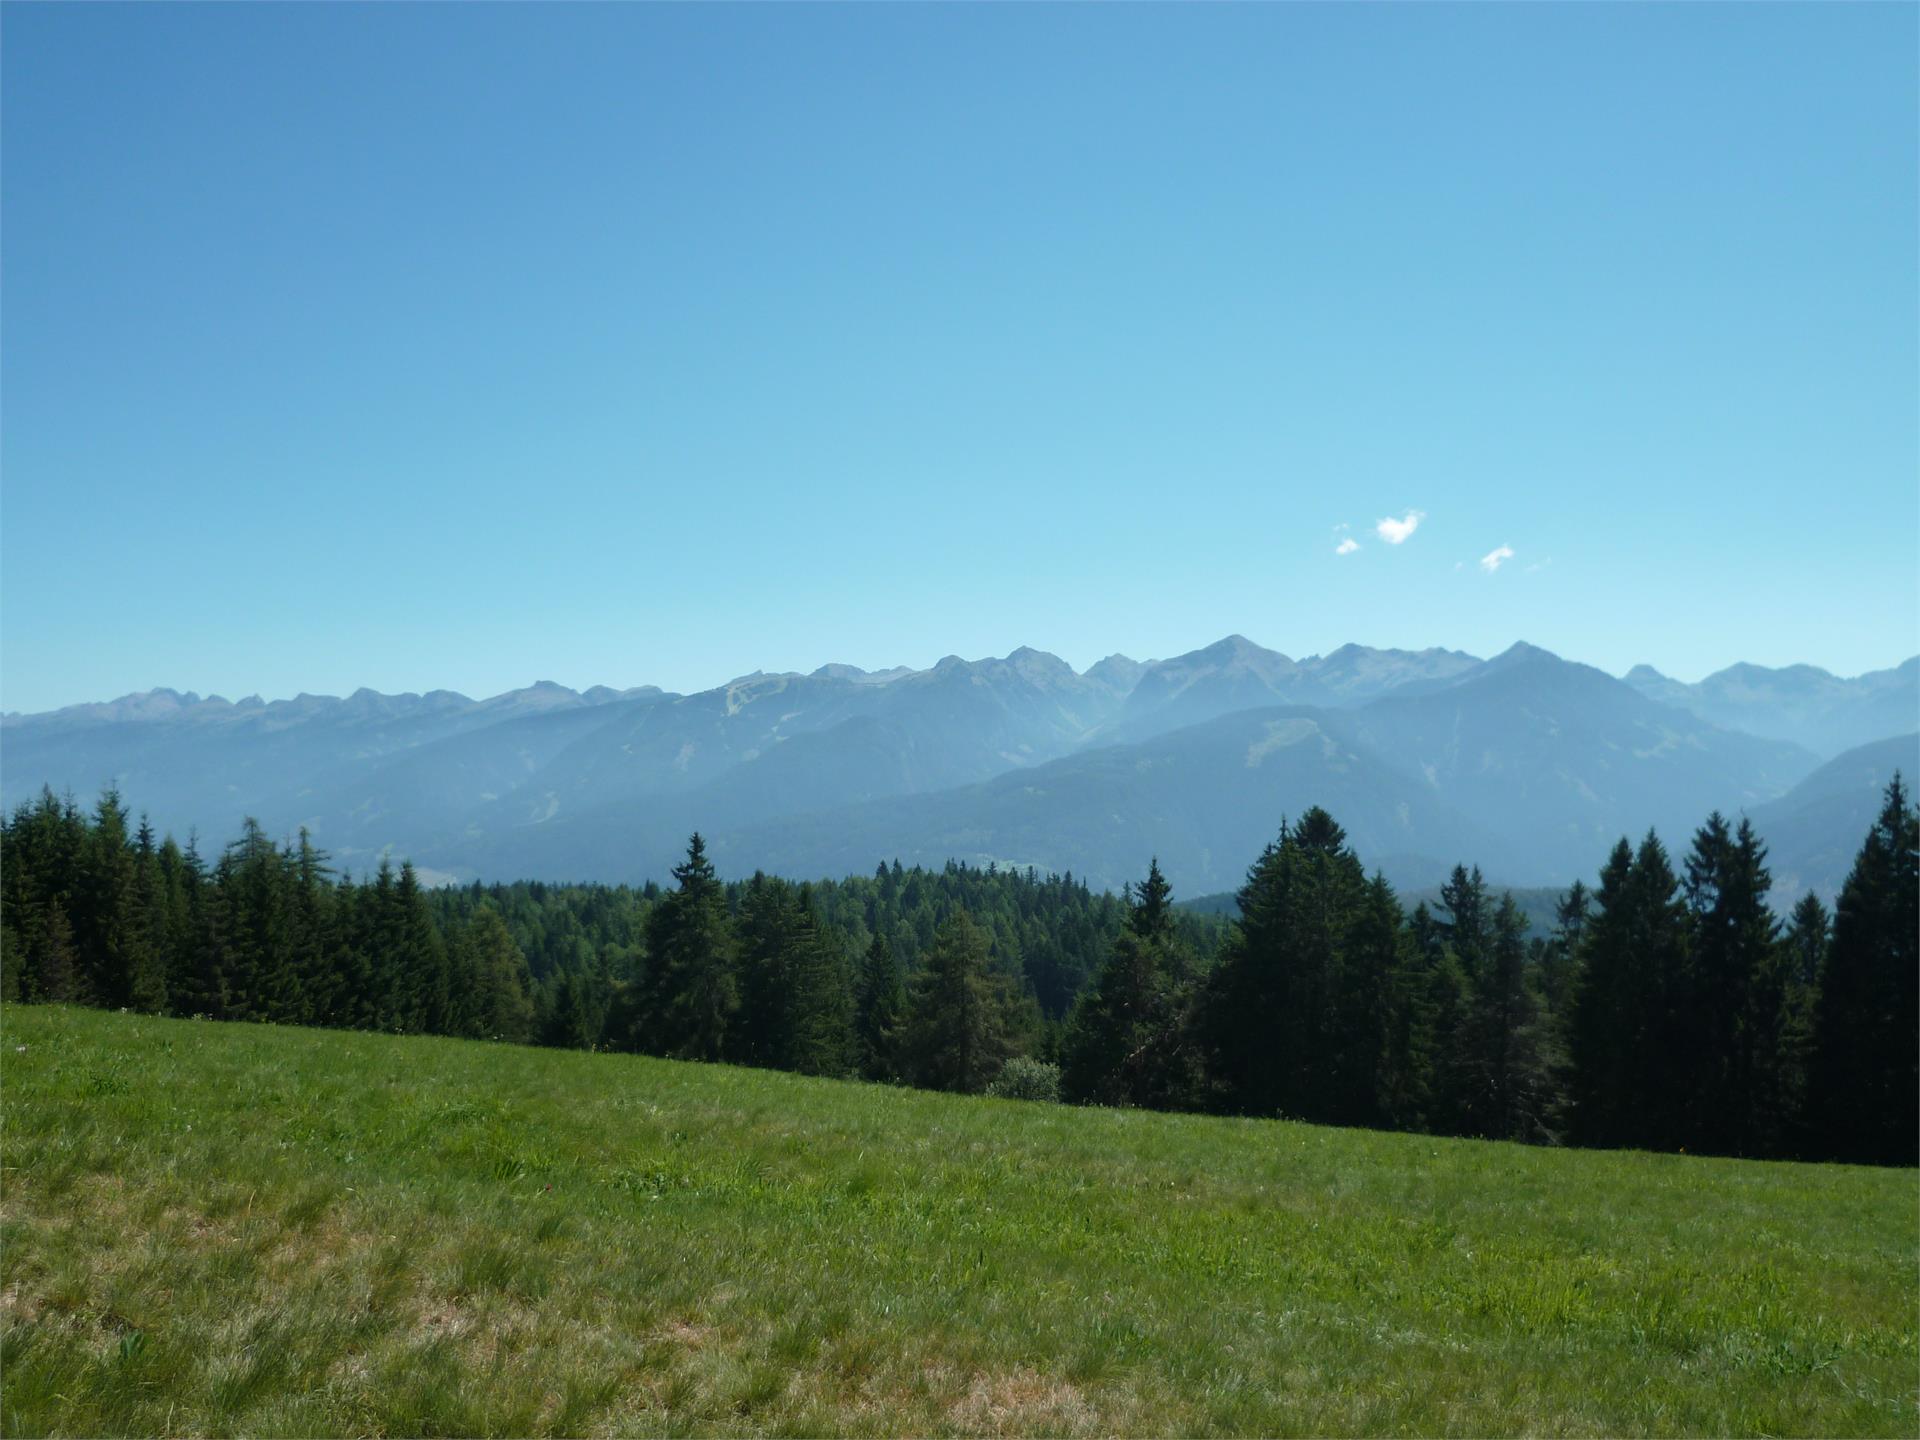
(241, 1230)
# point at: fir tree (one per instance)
(1503, 1070)
(148, 929)
(767, 944)
(1865, 1081)
(1727, 1010)
(691, 994)
(500, 1005)
(959, 1029)
(821, 1034)
(882, 1008)
(51, 959)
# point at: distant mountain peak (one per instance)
(1521, 652)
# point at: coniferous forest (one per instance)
(1668, 1007)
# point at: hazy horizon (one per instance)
(236, 694)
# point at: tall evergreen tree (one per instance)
(691, 993)
(1865, 1081)
(821, 1009)
(147, 932)
(500, 1006)
(1124, 1042)
(1504, 1083)
(882, 1010)
(1273, 1010)
(959, 1028)
(1727, 1009)
(767, 935)
(102, 915)
(51, 959)
(1626, 1075)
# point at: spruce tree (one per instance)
(426, 985)
(1803, 959)
(1607, 1015)
(102, 915)
(767, 945)
(1866, 1063)
(1727, 1008)
(500, 1006)
(148, 930)
(1629, 1064)
(1124, 1044)
(1505, 1089)
(51, 959)
(882, 1008)
(690, 991)
(1272, 1014)
(959, 1023)
(821, 1009)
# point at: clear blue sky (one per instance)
(431, 346)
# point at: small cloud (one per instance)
(1538, 565)
(1395, 532)
(1494, 559)
(1346, 546)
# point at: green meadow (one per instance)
(236, 1229)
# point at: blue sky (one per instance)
(463, 346)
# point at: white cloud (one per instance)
(1395, 532)
(1494, 559)
(1346, 546)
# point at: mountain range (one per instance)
(1526, 763)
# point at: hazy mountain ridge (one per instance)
(1814, 830)
(1526, 763)
(1803, 703)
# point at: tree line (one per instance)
(1667, 1008)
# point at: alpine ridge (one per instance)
(1526, 763)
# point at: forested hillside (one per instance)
(1667, 1007)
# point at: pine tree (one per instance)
(959, 1026)
(881, 1014)
(1727, 1007)
(51, 959)
(1559, 961)
(1865, 1081)
(425, 984)
(767, 943)
(1407, 1063)
(1505, 1081)
(1627, 1065)
(1124, 1043)
(102, 914)
(310, 925)
(1273, 1010)
(574, 1015)
(198, 980)
(821, 1015)
(1803, 959)
(1607, 1016)
(691, 994)
(147, 930)
(261, 983)
(500, 1006)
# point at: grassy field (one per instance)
(227, 1229)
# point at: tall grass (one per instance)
(223, 1229)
